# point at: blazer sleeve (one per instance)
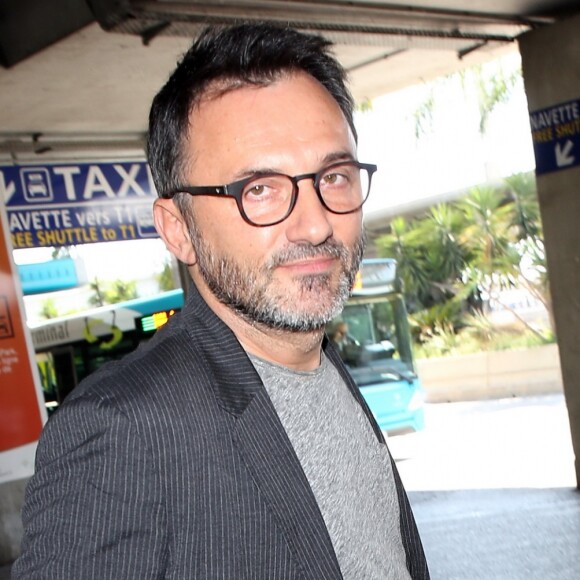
(92, 509)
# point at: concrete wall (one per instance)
(492, 375)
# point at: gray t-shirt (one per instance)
(349, 471)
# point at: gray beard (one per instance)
(247, 293)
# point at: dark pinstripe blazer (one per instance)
(173, 464)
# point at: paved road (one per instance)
(505, 443)
(493, 489)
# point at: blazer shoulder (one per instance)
(148, 375)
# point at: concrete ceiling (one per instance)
(71, 85)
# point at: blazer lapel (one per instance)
(276, 470)
(262, 442)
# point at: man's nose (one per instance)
(309, 221)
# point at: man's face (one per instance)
(295, 275)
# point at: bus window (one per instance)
(65, 372)
(47, 376)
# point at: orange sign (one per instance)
(21, 417)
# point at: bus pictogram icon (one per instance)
(36, 184)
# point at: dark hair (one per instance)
(225, 59)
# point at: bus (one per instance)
(69, 348)
(373, 338)
(374, 342)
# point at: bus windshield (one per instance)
(372, 338)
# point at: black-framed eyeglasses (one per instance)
(266, 199)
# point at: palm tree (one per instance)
(526, 214)
(48, 309)
(492, 90)
(166, 278)
(458, 253)
(423, 115)
(120, 291)
(496, 260)
(98, 297)
(528, 225)
(447, 253)
(61, 252)
(486, 234)
(483, 90)
(404, 244)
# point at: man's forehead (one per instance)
(291, 124)
(235, 92)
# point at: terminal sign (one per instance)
(556, 137)
(61, 205)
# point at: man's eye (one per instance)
(334, 179)
(256, 189)
(268, 188)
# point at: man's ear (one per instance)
(172, 228)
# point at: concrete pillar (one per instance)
(551, 68)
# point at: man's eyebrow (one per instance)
(254, 172)
(337, 156)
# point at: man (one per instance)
(234, 444)
(346, 345)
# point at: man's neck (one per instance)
(295, 350)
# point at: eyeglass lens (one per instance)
(268, 198)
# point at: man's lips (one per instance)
(315, 265)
